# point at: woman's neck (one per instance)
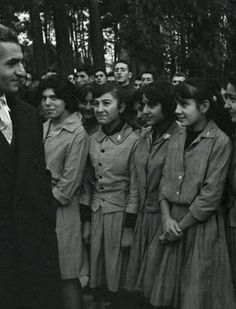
(199, 126)
(57, 121)
(112, 127)
(160, 129)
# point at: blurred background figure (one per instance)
(178, 77)
(147, 77)
(84, 75)
(100, 77)
(137, 83)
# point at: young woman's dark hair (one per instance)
(232, 79)
(83, 91)
(201, 90)
(116, 91)
(63, 89)
(161, 92)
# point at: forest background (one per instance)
(191, 36)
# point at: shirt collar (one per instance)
(4, 99)
(116, 138)
(70, 124)
(209, 131)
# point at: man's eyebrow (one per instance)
(14, 59)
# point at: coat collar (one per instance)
(116, 138)
(164, 137)
(70, 124)
(209, 131)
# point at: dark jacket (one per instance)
(29, 271)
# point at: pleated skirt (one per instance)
(193, 272)
(145, 229)
(108, 260)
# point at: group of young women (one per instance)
(146, 217)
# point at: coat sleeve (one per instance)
(73, 169)
(133, 202)
(209, 198)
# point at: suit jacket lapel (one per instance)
(21, 131)
(6, 154)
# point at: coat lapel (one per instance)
(6, 154)
(22, 134)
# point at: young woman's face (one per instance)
(188, 113)
(230, 101)
(152, 113)
(53, 107)
(86, 107)
(106, 109)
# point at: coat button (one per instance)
(102, 150)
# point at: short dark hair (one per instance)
(161, 92)
(149, 72)
(125, 62)
(63, 89)
(8, 35)
(180, 74)
(232, 78)
(86, 68)
(100, 70)
(116, 91)
(83, 91)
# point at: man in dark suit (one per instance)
(29, 270)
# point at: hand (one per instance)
(86, 231)
(127, 237)
(163, 239)
(171, 229)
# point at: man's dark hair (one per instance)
(180, 74)
(149, 72)
(8, 35)
(86, 68)
(100, 70)
(232, 79)
(125, 62)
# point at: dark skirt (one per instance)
(193, 272)
(145, 229)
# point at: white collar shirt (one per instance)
(5, 119)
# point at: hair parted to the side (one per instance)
(63, 89)
(200, 90)
(115, 90)
(124, 62)
(8, 35)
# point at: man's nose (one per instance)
(20, 70)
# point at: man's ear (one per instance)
(130, 75)
(205, 106)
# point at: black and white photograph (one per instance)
(117, 154)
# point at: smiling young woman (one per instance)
(114, 196)
(66, 149)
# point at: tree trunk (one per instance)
(64, 50)
(37, 35)
(96, 35)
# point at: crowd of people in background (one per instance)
(143, 184)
